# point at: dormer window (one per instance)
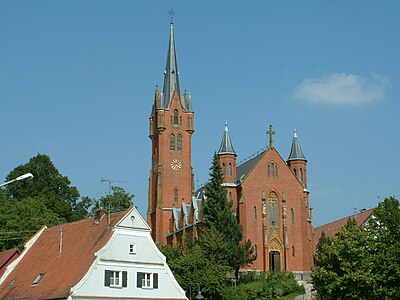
(38, 278)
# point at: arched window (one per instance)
(255, 213)
(295, 172)
(272, 170)
(269, 170)
(293, 252)
(255, 250)
(230, 169)
(292, 215)
(276, 170)
(179, 143)
(175, 196)
(223, 169)
(180, 120)
(301, 175)
(176, 117)
(273, 216)
(172, 142)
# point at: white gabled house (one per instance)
(110, 257)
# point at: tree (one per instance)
(361, 262)
(53, 188)
(219, 218)
(384, 249)
(118, 200)
(193, 270)
(19, 220)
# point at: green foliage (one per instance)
(19, 220)
(361, 262)
(193, 270)
(255, 285)
(118, 200)
(57, 194)
(223, 224)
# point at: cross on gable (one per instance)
(271, 133)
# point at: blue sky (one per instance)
(77, 81)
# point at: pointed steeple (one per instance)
(226, 144)
(171, 74)
(295, 152)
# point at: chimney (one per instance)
(99, 214)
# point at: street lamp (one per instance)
(22, 177)
(199, 295)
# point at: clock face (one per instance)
(176, 164)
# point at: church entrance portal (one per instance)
(274, 261)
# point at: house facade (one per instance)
(110, 257)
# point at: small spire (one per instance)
(295, 152)
(226, 144)
(271, 133)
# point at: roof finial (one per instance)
(271, 136)
(172, 13)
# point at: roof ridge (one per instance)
(252, 156)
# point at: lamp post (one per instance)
(22, 177)
(199, 295)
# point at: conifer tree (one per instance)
(220, 219)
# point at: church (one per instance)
(269, 194)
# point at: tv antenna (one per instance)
(110, 183)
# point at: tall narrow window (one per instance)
(179, 142)
(269, 170)
(301, 175)
(230, 169)
(176, 117)
(172, 142)
(272, 170)
(255, 213)
(295, 172)
(273, 216)
(175, 196)
(255, 250)
(276, 170)
(292, 215)
(293, 252)
(223, 169)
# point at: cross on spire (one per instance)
(172, 13)
(271, 133)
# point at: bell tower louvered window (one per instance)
(179, 146)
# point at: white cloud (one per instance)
(343, 89)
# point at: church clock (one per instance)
(176, 164)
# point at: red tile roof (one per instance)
(332, 228)
(7, 257)
(63, 254)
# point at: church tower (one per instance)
(171, 129)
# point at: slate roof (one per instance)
(295, 151)
(243, 169)
(332, 228)
(226, 143)
(61, 269)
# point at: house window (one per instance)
(132, 249)
(172, 142)
(115, 279)
(38, 278)
(179, 143)
(176, 117)
(147, 280)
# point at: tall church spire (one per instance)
(226, 143)
(171, 74)
(295, 152)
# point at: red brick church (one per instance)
(269, 195)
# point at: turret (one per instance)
(227, 157)
(297, 161)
